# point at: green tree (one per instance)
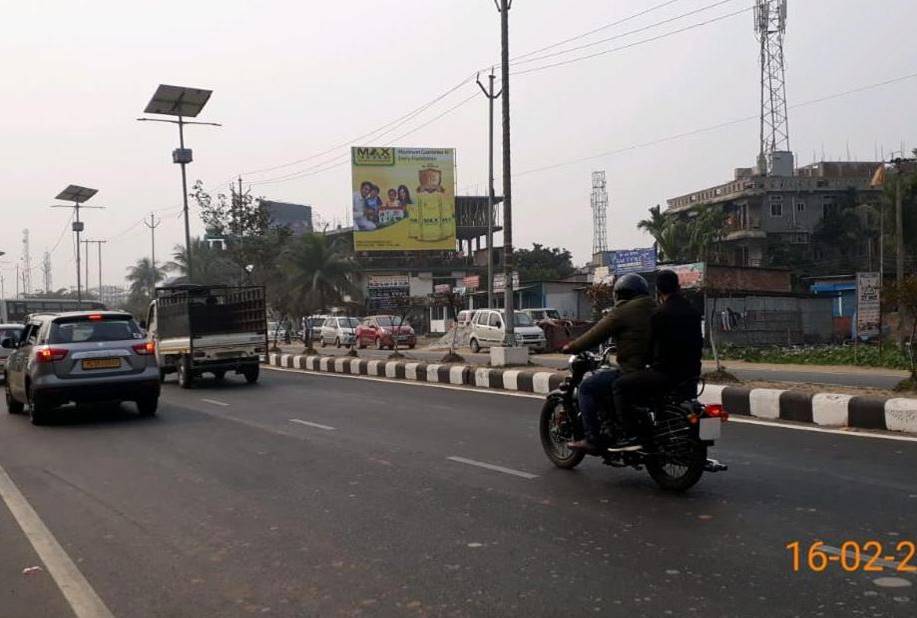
(143, 277)
(691, 237)
(542, 263)
(318, 272)
(210, 264)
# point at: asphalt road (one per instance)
(834, 376)
(320, 495)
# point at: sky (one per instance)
(300, 81)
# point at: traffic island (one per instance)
(822, 409)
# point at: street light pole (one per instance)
(508, 291)
(184, 196)
(489, 93)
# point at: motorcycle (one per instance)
(676, 429)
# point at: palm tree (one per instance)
(143, 277)
(318, 272)
(210, 265)
(669, 234)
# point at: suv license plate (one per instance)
(100, 363)
(710, 428)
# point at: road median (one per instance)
(822, 409)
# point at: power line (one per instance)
(624, 34)
(61, 237)
(595, 30)
(635, 43)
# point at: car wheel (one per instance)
(185, 377)
(475, 346)
(38, 410)
(218, 376)
(13, 406)
(251, 373)
(337, 342)
(323, 342)
(147, 406)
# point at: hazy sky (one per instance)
(292, 79)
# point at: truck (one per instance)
(198, 329)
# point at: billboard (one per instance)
(868, 307)
(295, 217)
(633, 261)
(403, 199)
(690, 276)
(384, 290)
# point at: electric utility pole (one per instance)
(508, 301)
(99, 243)
(489, 93)
(153, 224)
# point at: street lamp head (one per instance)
(177, 101)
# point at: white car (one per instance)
(11, 332)
(488, 328)
(339, 331)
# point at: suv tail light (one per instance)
(145, 348)
(47, 354)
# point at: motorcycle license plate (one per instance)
(101, 363)
(710, 428)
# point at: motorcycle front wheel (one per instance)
(557, 426)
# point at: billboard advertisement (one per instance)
(633, 261)
(384, 290)
(868, 305)
(295, 217)
(403, 199)
(690, 276)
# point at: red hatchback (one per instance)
(381, 331)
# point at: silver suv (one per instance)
(78, 357)
(8, 331)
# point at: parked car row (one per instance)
(378, 331)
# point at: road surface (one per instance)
(322, 495)
(841, 376)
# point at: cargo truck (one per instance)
(200, 329)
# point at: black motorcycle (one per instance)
(676, 430)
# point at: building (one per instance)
(785, 207)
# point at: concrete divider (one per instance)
(823, 409)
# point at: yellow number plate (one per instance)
(101, 363)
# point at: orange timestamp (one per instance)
(851, 556)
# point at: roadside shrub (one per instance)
(863, 356)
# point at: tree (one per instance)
(905, 298)
(404, 308)
(143, 277)
(318, 274)
(542, 263)
(210, 264)
(691, 237)
(453, 302)
(602, 297)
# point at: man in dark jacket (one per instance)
(677, 343)
(628, 323)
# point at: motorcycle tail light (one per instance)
(47, 354)
(715, 410)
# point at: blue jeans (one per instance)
(595, 391)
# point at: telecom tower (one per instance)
(599, 213)
(26, 264)
(770, 26)
(46, 271)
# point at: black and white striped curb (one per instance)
(523, 380)
(823, 409)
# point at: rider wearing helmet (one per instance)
(628, 323)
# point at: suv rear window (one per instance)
(86, 330)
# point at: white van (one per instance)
(488, 329)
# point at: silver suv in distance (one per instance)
(8, 331)
(78, 357)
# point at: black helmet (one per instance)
(630, 286)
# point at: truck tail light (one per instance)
(47, 354)
(144, 349)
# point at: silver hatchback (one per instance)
(79, 357)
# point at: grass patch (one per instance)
(862, 356)
(721, 376)
(908, 385)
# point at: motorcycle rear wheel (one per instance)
(557, 427)
(679, 475)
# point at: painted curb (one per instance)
(822, 409)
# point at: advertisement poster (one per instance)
(384, 290)
(868, 304)
(633, 261)
(690, 276)
(403, 199)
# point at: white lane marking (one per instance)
(79, 594)
(840, 432)
(492, 391)
(495, 468)
(888, 564)
(316, 425)
(215, 402)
